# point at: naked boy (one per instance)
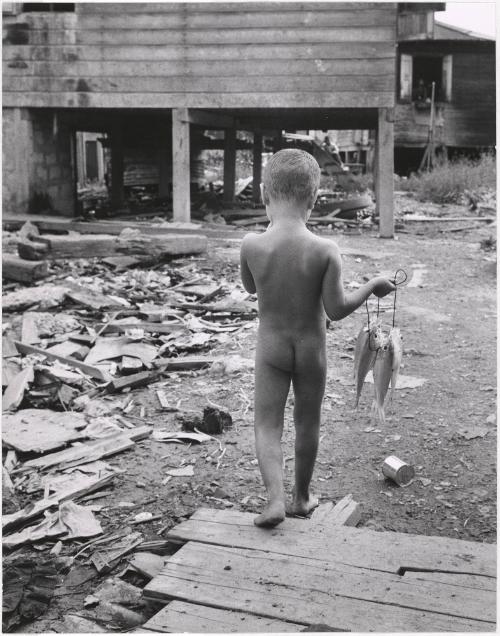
(298, 278)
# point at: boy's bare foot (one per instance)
(302, 507)
(273, 514)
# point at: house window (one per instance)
(419, 72)
(29, 7)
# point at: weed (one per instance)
(449, 181)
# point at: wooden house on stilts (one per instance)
(163, 72)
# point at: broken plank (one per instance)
(186, 363)
(314, 591)
(14, 393)
(93, 372)
(132, 381)
(385, 551)
(23, 271)
(178, 617)
(346, 512)
(80, 488)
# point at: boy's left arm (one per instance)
(246, 274)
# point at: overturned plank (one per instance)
(385, 551)
(346, 512)
(179, 617)
(75, 245)
(21, 270)
(306, 591)
(93, 372)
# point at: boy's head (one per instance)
(291, 176)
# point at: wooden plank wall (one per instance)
(203, 55)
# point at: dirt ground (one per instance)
(445, 428)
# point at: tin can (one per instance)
(397, 470)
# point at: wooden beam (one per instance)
(257, 165)
(384, 181)
(209, 119)
(229, 163)
(117, 192)
(180, 165)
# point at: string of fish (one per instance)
(380, 352)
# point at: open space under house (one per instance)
(156, 77)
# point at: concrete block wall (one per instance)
(37, 162)
(52, 161)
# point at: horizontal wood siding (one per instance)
(468, 120)
(221, 55)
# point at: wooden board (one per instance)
(464, 580)
(15, 268)
(345, 512)
(384, 551)
(311, 591)
(180, 617)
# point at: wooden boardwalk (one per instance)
(230, 576)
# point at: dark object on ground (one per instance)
(28, 586)
(320, 627)
(214, 421)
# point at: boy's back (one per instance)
(288, 266)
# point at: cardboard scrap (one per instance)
(147, 563)
(107, 348)
(41, 430)
(69, 522)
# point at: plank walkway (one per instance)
(230, 576)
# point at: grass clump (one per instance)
(449, 181)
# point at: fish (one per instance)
(365, 351)
(396, 342)
(382, 373)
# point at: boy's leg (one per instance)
(271, 391)
(309, 388)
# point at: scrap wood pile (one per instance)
(73, 347)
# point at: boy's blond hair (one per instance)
(292, 175)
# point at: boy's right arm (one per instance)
(336, 302)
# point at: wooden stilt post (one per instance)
(117, 192)
(229, 164)
(181, 176)
(257, 165)
(384, 178)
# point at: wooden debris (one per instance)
(162, 399)
(9, 349)
(132, 381)
(147, 327)
(346, 512)
(185, 363)
(93, 372)
(75, 245)
(22, 271)
(46, 295)
(104, 561)
(116, 347)
(67, 348)
(130, 365)
(29, 331)
(135, 522)
(14, 393)
(10, 368)
(78, 489)
(69, 522)
(41, 430)
(90, 451)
